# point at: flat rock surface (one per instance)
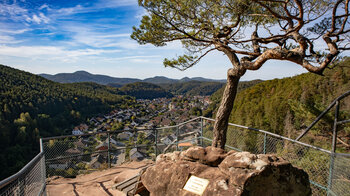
(96, 183)
(229, 173)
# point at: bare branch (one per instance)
(334, 14)
(275, 14)
(345, 17)
(179, 30)
(186, 66)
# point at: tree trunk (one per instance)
(224, 111)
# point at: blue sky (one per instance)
(55, 36)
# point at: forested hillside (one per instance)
(83, 76)
(33, 107)
(216, 96)
(143, 90)
(193, 88)
(286, 106)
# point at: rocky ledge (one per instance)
(229, 173)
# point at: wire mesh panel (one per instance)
(69, 156)
(208, 126)
(29, 181)
(189, 134)
(340, 183)
(166, 139)
(313, 161)
(73, 155)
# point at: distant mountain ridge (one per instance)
(83, 76)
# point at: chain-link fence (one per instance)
(28, 181)
(69, 156)
(326, 177)
(179, 137)
(340, 175)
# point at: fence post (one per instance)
(177, 137)
(43, 168)
(334, 140)
(331, 165)
(265, 143)
(334, 148)
(156, 141)
(109, 147)
(201, 140)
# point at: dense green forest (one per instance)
(143, 90)
(83, 76)
(216, 96)
(193, 88)
(34, 107)
(286, 106)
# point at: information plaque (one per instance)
(196, 185)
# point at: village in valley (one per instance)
(132, 134)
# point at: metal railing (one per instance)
(68, 156)
(71, 155)
(30, 180)
(313, 160)
(337, 160)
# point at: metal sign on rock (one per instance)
(196, 185)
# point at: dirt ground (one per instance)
(96, 183)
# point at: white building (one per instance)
(77, 132)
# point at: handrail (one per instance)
(275, 135)
(37, 158)
(281, 137)
(88, 134)
(183, 123)
(322, 114)
(21, 172)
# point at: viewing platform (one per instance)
(93, 161)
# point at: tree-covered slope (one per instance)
(143, 90)
(83, 76)
(216, 96)
(33, 107)
(286, 106)
(193, 88)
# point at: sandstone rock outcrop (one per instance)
(232, 173)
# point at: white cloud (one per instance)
(45, 52)
(71, 10)
(101, 4)
(38, 19)
(128, 44)
(115, 3)
(133, 58)
(13, 11)
(140, 60)
(44, 6)
(114, 35)
(17, 13)
(87, 35)
(140, 13)
(5, 39)
(10, 31)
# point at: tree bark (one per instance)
(224, 111)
